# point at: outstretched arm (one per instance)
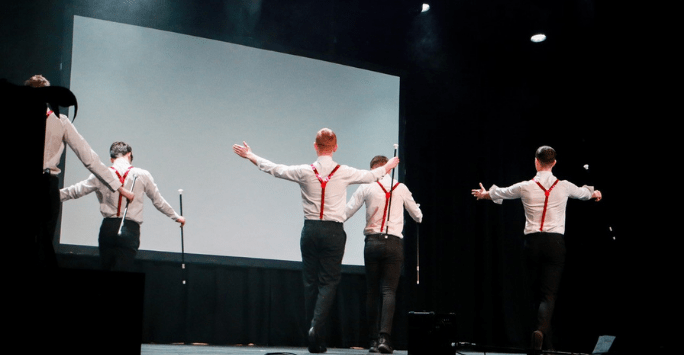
(481, 193)
(245, 151)
(355, 202)
(80, 189)
(152, 192)
(391, 164)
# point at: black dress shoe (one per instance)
(315, 346)
(373, 346)
(384, 345)
(537, 339)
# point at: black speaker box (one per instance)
(82, 312)
(431, 333)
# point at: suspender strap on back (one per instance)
(387, 197)
(324, 182)
(546, 200)
(122, 179)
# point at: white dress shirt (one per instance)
(376, 202)
(59, 131)
(533, 197)
(335, 190)
(109, 201)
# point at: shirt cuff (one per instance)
(493, 189)
(379, 173)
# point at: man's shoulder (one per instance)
(137, 171)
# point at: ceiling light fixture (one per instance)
(540, 37)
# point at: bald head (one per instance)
(37, 81)
(326, 141)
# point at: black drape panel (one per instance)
(222, 303)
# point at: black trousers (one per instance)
(383, 258)
(322, 246)
(545, 254)
(117, 252)
(50, 208)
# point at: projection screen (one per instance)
(182, 101)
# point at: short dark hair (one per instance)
(119, 149)
(378, 159)
(546, 155)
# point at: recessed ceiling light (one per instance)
(540, 37)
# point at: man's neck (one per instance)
(121, 161)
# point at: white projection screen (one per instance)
(181, 102)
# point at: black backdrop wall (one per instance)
(477, 99)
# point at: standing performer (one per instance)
(324, 193)
(117, 252)
(544, 199)
(384, 249)
(59, 131)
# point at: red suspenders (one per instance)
(324, 181)
(122, 179)
(387, 196)
(546, 200)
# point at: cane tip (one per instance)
(180, 191)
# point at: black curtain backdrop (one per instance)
(477, 100)
(231, 301)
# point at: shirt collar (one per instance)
(544, 176)
(121, 164)
(324, 159)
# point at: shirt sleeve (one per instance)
(152, 192)
(580, 193)
(358, 176)
(80, 189)
(411, 205)
(287, 172)
(498, 194)
(355, 202)
(87, 155)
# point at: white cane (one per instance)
(389, 205)
(126, 209)
(180, 194)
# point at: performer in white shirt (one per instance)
(117, 252)
(544, 199)
(384, 249)
(59, 132)
(323, 187)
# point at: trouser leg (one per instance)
(322, 246)
(117, 252)
(546, 259)
(383, 258)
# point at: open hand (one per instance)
(481, 193)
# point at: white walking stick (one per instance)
(389, 205)
(180, 192)
(126, 209)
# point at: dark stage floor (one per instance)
(152, 349)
